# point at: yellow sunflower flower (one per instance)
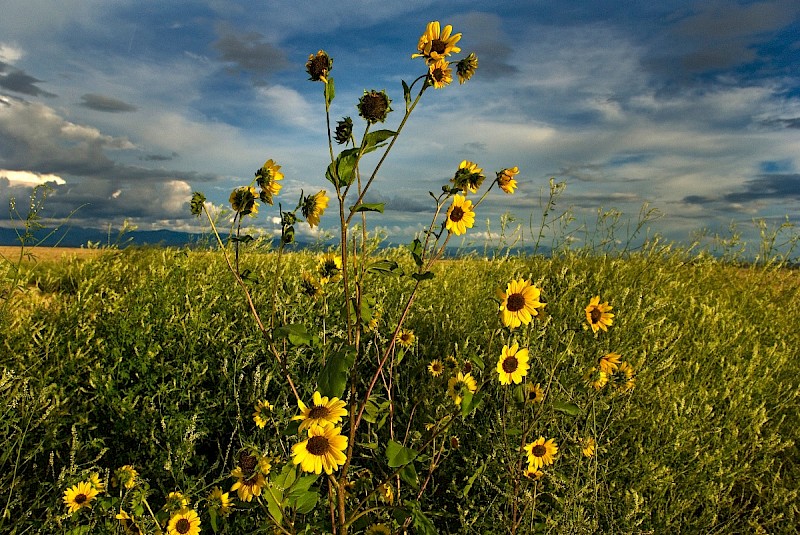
(126, 476)
(220, 501)
(460, 216)
(94, 480)
(596, 378)
(535, 394)
(624, 377)
(435, 367)
(440, 74)
(437, 43)
(588, 447)
(243, 200)
(466, 67)
(267, 178)
(322, 450)
(506, 180)
(378, 529)
(322, 411)
(176, 501)
(598, 315)
(406, 338)
(610, 362)
(79, 496)
(247, 485)
(457, 384)
(512, 365)
(262, 410)
(519, 303)
(314, 206)
(329, 268)
(127, 522)
(468, 177)
(310, 286)
(185, 522)
(541, 452)
(533, 473)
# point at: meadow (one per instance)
(148, 358)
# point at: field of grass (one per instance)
(149, 358)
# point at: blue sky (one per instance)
(126, 107)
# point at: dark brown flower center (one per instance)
(319, 412)
(510, 364)
(374, 107)
(182, 526)
(317, 445)
(318, 67)
(596, 314)
(516, 302)
(467, 367)
(437, 74)
(456, 214)
(80, 498)
(438, 46)
(539, 450)
(247, 463)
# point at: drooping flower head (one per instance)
(440, 74)
(184, 522)
(79, 496)
(466, 67)
(609, 363)
(96, 482)
(460, 215)
(262, 411)
(374, 106)
(344, 131)
(243, 200)
(220, 502)
(588, 446)
(513, 365)
(329, 268)
(322, 450)
(176, 501)
(468, 177)
(314, 206)
(436, 367)
(318, 66)
(541, 452)
(249, 474)
(310, 286)
(322, 411)
(267, 178)
(456, 386)
(520, 303)
(598, 315)
(437, 43)
(506, 180)
(596, 378)
(126, 476)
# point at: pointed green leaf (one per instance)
(330, 91)
(385, 267)
(567, 408)
(333, 377)
(470, 402)
(368, 207)
(373, 138)
(416, 251)
(398, 455)
(422, 276)
(296, 333)
(406, 94)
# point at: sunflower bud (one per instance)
(374, 106)
(318, 66)
(344, 130)
(467, 67)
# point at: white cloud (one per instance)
(10, 54)
(290, 107)
(26, 178)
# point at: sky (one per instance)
(690, 108)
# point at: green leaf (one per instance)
(330, 91)
(409, 475)
(470, 402)
(305, 501)
(333, 378)
(567, 408)
(416, 251)
(373, 138)
(385, 267)
(368, 207)
(274, 498)
(471, 480)
(398, 455)
(296, 333)
(406, 94)
(422, 523)
(422, 276)
(213, 514)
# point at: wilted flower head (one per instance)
(506, 181)
(314, 206)
(467, 67)
(329, 268)
(243, 200)
(468, 177)
(267, 178)
(318, 66)
(437, 43)
(374, 106)
(440, 74)
(310, 286)
(344, 130)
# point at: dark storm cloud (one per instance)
(106, 104)
(19, 81)
(793, 122)
(488, 41)
(768, 187)
(697, 199)
(159, 157)
(250, 53)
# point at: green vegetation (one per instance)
(149, 358)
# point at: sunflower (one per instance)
(176, 501)
(323, 412)
(588, 447)
(378, 529)
(457, 384)
(609, 363)
(318, 66)
(533, 473)
(435, 367)
(126, 476)
(374, 106)
(468, 177)
(624, 377)
(322, 450)
(460, 216)
(440, 74)
(267, 178)
(597, 314)
(314, 206)
(386, 492)
(243, 200)
(406, 338)
(541, 452)
(127, 522)
(247, 484)
(519, 303)
(329, 268)
(184, 522)
(220, 501)
(79, 496)
(436, 43)
(466, 67)
(596, 378)
(534, 394)
(344, 131)
(506, 180)
(94, 480)
(512, 365)
(262, 410)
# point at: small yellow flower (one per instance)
(598, 315)
(457, 384)
(588, 446)
(247, 486)
(220, 501)
(322, 450)
(329, 268)
(79, 496)
(267, 178)
(435, 367)
(535, 394)
(406, 338)
(533, 473)
(468, 177)
(309, 286)
(520, 303)
(624, 377)
(541, 452)
(176, 501)
(318, 66)
(243, 200)
(437, 43)
(185, 522)
(378, 529)
(127, 522)
(513, 365)
(314, 206)
(262, 410)
(609, 363)
(596, 378)
(322, 411)
(466, 67)
(440, 74)
(94, 480)
(387, 493)
(126, 476)
(506, 180)
(460, 216)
